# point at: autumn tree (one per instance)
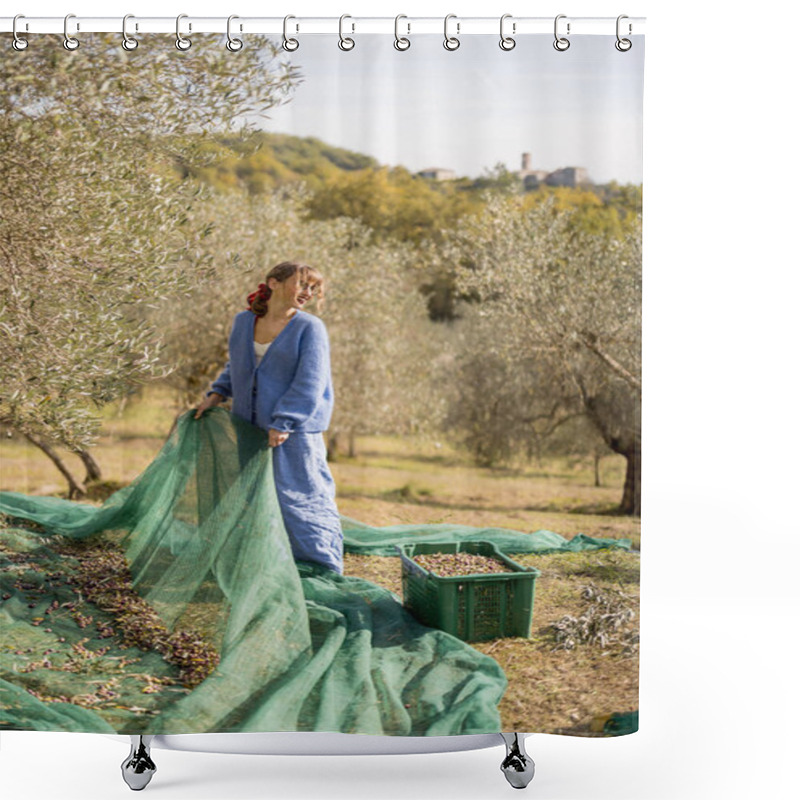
(392, 203)
(93, 224)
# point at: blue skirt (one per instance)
(306, 493)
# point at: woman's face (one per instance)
(295, 291)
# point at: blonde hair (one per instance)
(259, 299)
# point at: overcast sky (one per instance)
(469, 109)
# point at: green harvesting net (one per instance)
(200, 619)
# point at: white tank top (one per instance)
(260, 349)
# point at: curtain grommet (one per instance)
(128, 42)
(70, 42)
(346, 43)
(289, 44)
(233, 45)
(561, 43)
(623, 45)
(451, 42)
(18, 43)
(401, 43)
(507, 43)
(181, 42)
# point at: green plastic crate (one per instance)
(472, 607)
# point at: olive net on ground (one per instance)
(192, 615)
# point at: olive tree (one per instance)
(382, 341)
(95, 222)
(557, 313)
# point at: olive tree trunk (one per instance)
(76, 489)
(632, 492)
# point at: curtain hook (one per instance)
(181, 42)
(19, 43)
(234, 45)
(128, 41)
(451, 42)
(70, 42)
(401, 43)
(507, 42)
(623, 45)
(289, 44)
(561, 43)
(346, 43)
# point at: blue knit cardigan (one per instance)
(291, 388)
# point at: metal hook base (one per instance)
(138, 768)
(517, 766)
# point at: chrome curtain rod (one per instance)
(277, 26)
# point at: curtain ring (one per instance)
(289, 44)
(561, 44)
(19, 43)
(451, 42)
(181, 42)
(234, 45)
(345, 42)
(401, 43)
(507, 42)
(70, 42)
(623, 45)
(128, 42)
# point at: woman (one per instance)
(279, 377)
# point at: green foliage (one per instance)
(553, 330)
(392, 203)
(381, 338)
(263, 161)
(396, 204)
(610, 211)
(498, 408)
(498, 179)
(96, 226)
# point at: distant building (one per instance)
(437, 174)
(566, 176)
(531, 178)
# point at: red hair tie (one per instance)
(263, 291)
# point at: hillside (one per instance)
(392, 201)
(264, 161)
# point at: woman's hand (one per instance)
(212, 400)
(277, 438)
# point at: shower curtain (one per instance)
(472, 215)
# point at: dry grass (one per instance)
(552, 691)
(131, 435)
(416, 489)
(403, 481)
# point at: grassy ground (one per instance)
(399, 481)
